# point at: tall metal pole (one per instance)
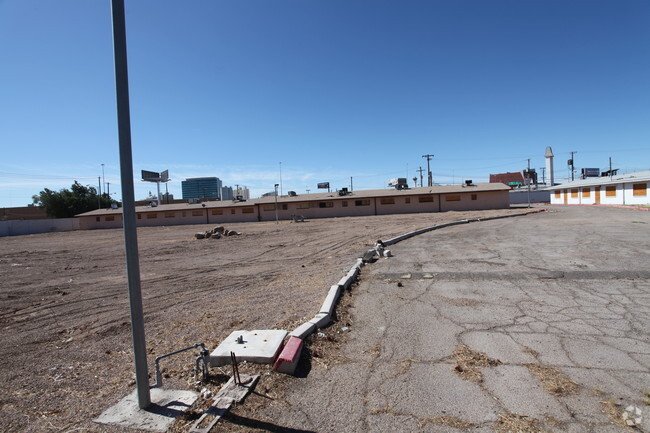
(351, 189)
(280, 178)
(99, 196)
(103, 179)
(572, 165)
(128, 203)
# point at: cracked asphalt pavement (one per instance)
(532, 324)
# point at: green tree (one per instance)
(66, 203)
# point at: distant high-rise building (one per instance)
(242, 192)
(201, 187)
(226, 193)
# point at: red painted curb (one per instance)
(288, 359)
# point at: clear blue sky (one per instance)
(331, 89)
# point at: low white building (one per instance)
(626, 189)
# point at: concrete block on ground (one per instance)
(303, 330)
(321, 320)
(359, 263)
(166, 405)
(330, 300)
(289, 357)
(258, 346)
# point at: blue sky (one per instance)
(331, 89)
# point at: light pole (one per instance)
(280, 178)
(103, 179)
(128, 204)
(276, 204)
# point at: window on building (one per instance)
(452, 197)
(139, 216)
(285, 206)
(474, 196)
(232, 211)
(98, 219)
(303, 206)
(640, 189)
(574, 193)
(110, 218)
(610, 191)
(197, 213)
(326, 204)
(217, 211)
(425, 199)
(557, 193)
(586, 192)
(362, 202)
(387, 201)
(248, 210)
(407, 200)
(170, 214)
(269, 207)
(344, 203)
(152, 215)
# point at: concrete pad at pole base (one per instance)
(259, 347)
(303, 330)
(166, 405)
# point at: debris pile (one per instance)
(216, 233)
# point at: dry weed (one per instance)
(448, 421)
(553, 381)
(514, 423)
(468, 361)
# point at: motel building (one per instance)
(317, 205)
(629, 189)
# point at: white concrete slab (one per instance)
(166, 405)
(258, 346)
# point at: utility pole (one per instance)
(572, 165)
(351, 189)
(543, 169)
(276, 204)
(280, 178)
(421, 170)
(610, 168)
(528, 182)
(99, 196)
(428, 157)
(103, 178)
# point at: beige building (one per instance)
(318, 205)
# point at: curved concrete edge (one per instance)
(321, 319)
(303, 330)
(330, 300)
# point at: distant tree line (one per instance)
(66, 203)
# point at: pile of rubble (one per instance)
(216, 233)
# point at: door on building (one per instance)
(566, 196)
(597, 192)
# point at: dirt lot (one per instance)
(66, 342)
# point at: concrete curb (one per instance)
(324, 316)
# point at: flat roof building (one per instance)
(627, 189)
(317, 205)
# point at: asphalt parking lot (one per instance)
(531, 324)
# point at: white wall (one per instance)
(631, 199)
(27, 227)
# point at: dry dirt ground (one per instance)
(66, 343)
